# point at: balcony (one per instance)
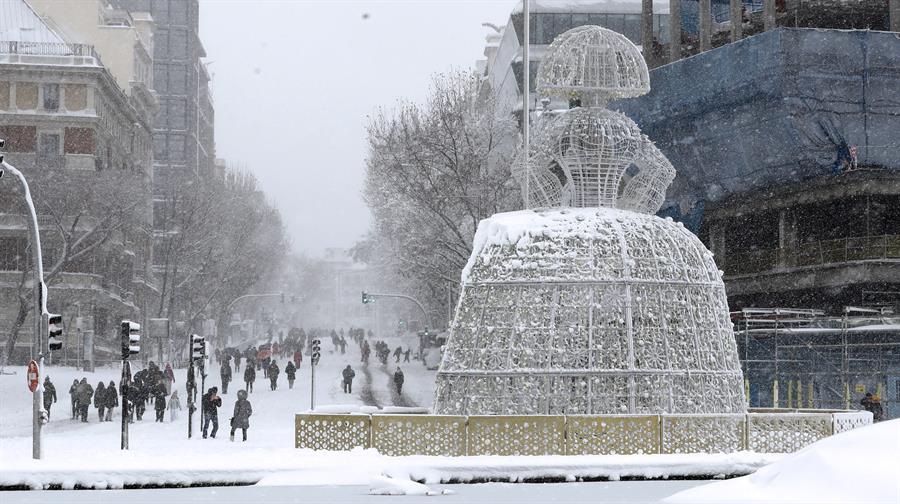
(48, 52)
(813, 254)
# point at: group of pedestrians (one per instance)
(105, 398)
(240, 419)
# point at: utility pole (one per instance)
(313, 362)
(526, 97)
(40, 304)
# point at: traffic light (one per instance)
(131, 338)
(315, 352)
(366, 298)
(54, 331)
(198, 347)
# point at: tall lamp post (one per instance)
(40, 313)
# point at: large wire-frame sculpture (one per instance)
(603, 311)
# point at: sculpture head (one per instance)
(590, 156)
(593, 64)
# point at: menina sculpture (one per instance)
(590, 303)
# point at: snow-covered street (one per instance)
(69, 443)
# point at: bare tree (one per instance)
(433, 172)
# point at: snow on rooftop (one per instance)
(592, 6)
(19, 23)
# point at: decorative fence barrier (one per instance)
(763, 431)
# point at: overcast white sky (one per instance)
(294, 81)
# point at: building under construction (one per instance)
(799, 358)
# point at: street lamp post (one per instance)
(40, 304)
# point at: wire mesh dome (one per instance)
(590, 60)
(595, 311)
(593, 157)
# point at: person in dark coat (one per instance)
(249, 375)
(291, 371)
(242, 412)
(100, 400)
(872, 403)
(398, 380)
(225, 373)
(159, 406)
(237, 362)
(49, 395)
(348, 374)
(397, 352)
(211, 402)
(133, 396)
(84, 392)
(406, 354)
(73, 396)
(274, 370)
(111, 400)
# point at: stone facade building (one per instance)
(80, 131)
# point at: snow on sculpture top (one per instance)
(593, 157)
(594, 61)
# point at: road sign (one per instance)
(33, 377)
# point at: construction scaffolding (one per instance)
(801, 358)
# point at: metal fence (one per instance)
(763, 431)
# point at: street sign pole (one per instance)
(312, 385)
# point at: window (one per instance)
(160, 153)
(48, 148)
(176, 147)
(160, 77)
(161, 45)
(12, 254)
(177, 79)
(178, 44)
(51, 97)
(177, 111)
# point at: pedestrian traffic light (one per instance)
(198, 347)
(315, 352)
(54, 331)
(366, 298)
(131, 338)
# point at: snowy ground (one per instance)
(858, 466)
(163, 447)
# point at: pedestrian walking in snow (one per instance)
(398, 380)
(273, 374)
(169, 377)
(100, 401)
(174, 405)
(111, 400)
(397, 353)
(348, 374)
(85, 392)
(210, 402)
(241, 417)
(237, 362)
(160, 406)
(73, 396)
(225, 373)
(406, 354)
(298, 357)
(250, 376)
(291, 371)
(49, 395)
